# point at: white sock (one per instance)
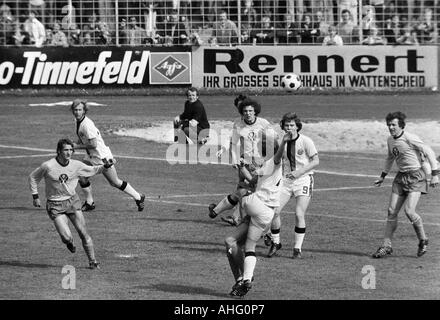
(223, 206)
(276, 238)
(130, 191)
(249, 266)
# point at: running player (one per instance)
(407, 150)
(61, 178)
(259, 207)
(90, 139)
(300, 157)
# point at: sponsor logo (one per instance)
(170, 67)
(38, 71)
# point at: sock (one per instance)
(299, 237)
(250, 261)
(275, 236)
(130, 190)
(418, 228)
(223, 205)
(88, 194)
(88, 248)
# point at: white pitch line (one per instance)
(28, 156)
(292, 212)
(222, 194)
(203, 162)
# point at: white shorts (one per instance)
(298, 187)
(260, 214)
(94, 161)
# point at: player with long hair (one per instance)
(90, 140)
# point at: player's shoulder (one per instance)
(262, 121)
(305, 139)
(87, 122)
(410, 136)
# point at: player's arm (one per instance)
(33, 180)
(91, 144)
(429, 154)
(314, 162)
(235, 147)
(89, 171)
(387, 167)
(279, 154)
(435, 171)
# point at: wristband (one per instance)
(435, 172)
(35, 196)
(383, 174)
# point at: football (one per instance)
(291, 82)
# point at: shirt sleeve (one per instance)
(35, 177)
(389, 159)
(90, 130)
(88, 171)
(416, 143)
(310, 148)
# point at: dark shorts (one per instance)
(411, 181)
(69, 206)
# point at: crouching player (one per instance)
(259, 207)
(61, 176)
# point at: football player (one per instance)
(300, 157)
(407, 150)
(90, 139)
(61, 176)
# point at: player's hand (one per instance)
(193, 122)
(108, 163)
(434, 181)
(37, 203)
(235, 166)
(290, 176)
(378, 182)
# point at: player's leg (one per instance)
(62, 227)
(77, 219)
(302, 203)
(86, 186)
(416, 221)
(226, 203)
(275, 228)
(395, 204)
(112, 177)
(234, 250)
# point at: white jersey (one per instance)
(298, 153)
(61, 180)
(268, 185)
(247, 136)
(86, 130)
